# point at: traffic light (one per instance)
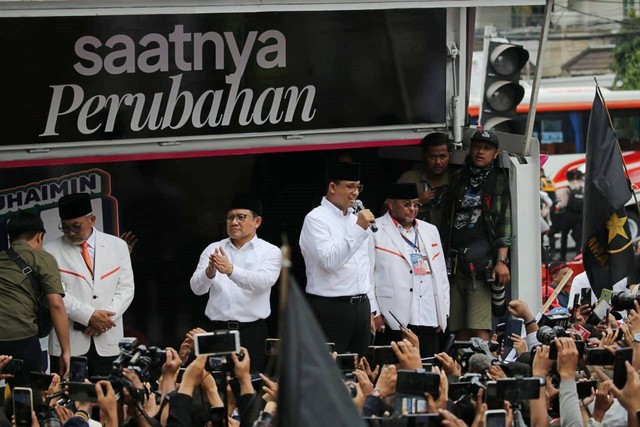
(502, 90)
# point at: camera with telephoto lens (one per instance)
(546, 334)
(145, 362)
(468, 384)
(463, 350)
(624, 300)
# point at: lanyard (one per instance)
(413, 244)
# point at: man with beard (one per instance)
(478, 238)
(409, 272)
(99, 287)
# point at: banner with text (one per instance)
(96, 78)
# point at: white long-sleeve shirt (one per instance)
(335, 253)
(242, 296)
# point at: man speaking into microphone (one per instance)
(334, 245)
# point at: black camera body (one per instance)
(624, 301)
(555, 320)
(468, 384)
(139, 359)
(463, 350)
(546, 334)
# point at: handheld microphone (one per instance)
(357, 207)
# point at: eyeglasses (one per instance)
(411, 205)
(76, 228)
(240, 217)
(353, 187)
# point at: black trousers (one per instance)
(97, 366)
(572, 223)
(345, 323)
(252, 337)
(429, 338)
(28, 350)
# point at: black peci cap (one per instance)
(343, 171)
(247, 201)
(74, 205)
(402, 191)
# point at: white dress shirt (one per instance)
(335, 252)
(244, 295)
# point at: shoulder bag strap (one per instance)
(25, 268)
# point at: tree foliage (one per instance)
(626, 55)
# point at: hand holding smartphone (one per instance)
(513, 326)
(271, 346)
(78, 369)
(83, 392)
(585, 296)
(619, 367)
(22, 406)
(217, 343)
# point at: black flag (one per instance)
(311, 391)
(607, 249)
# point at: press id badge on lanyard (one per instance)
(420, 264)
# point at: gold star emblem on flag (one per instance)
(615, 225)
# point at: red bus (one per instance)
(562, 118)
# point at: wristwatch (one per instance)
(636, 337)
(504, 259)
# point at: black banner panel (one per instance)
(80, 78)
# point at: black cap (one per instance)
(403, 191)
(343, 171)
(74, 205)
(25, 222)
(246, 201)
(485, 136)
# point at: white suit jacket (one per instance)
(391, 271)
(112, 289)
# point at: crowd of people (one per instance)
(548, 375)
(424, 282)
